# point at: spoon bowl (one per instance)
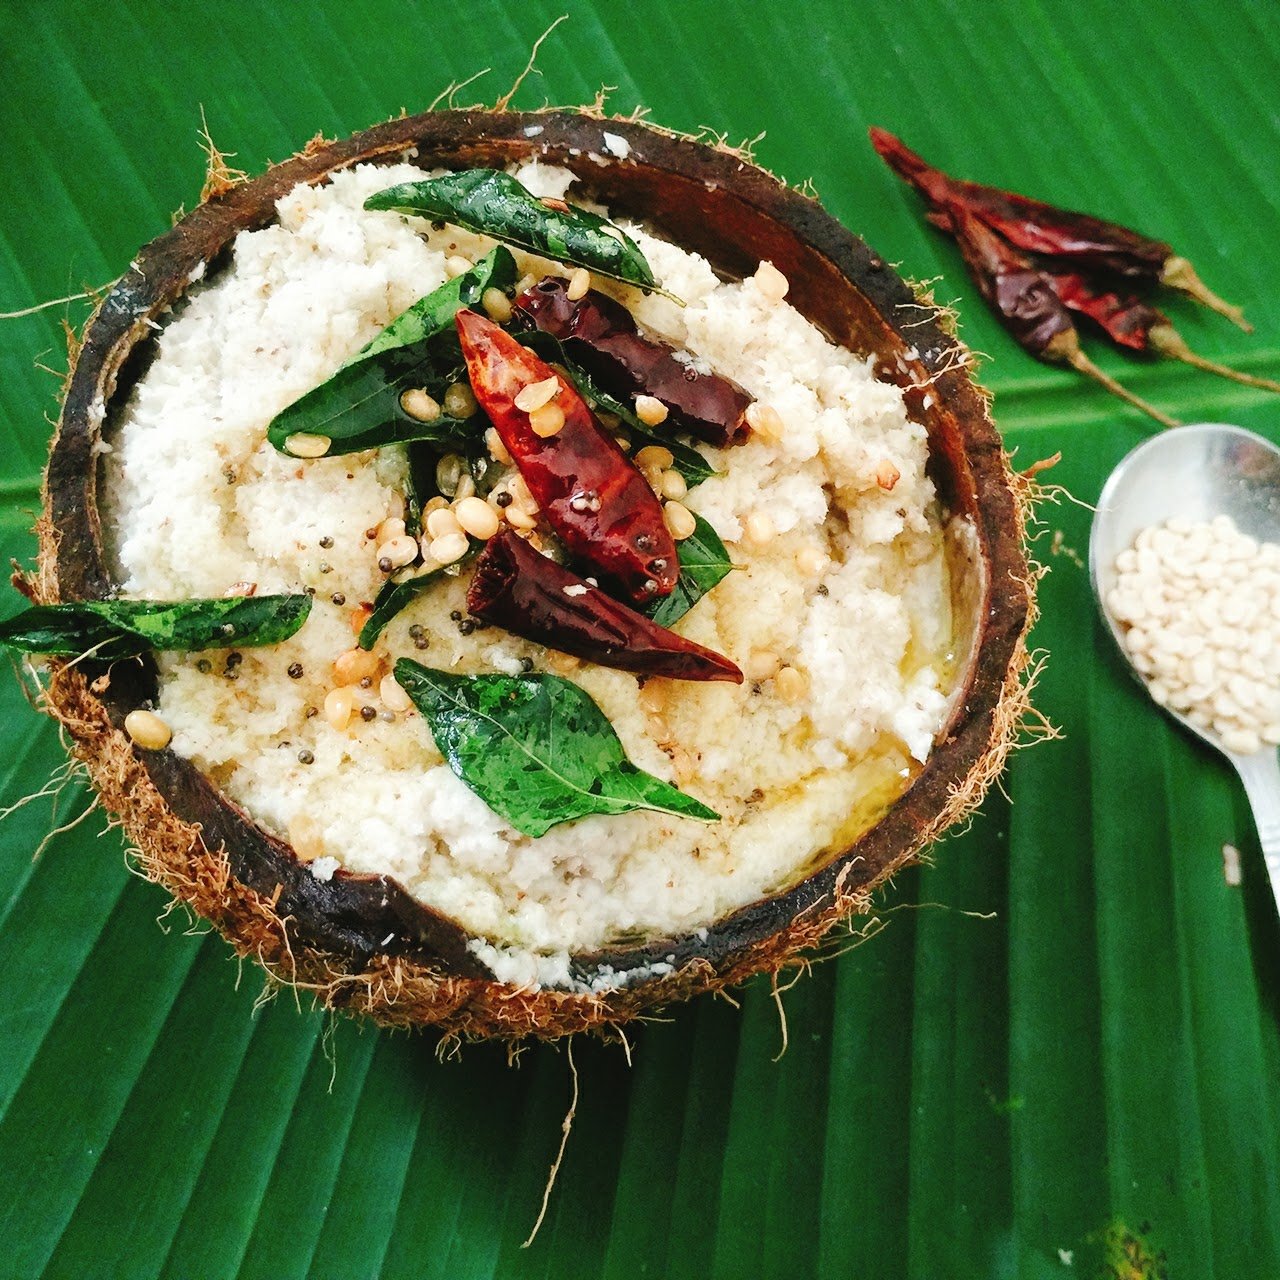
(1196, 473)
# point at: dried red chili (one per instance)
(528, 594)
(591, 493)
(1130, 322)
(1079, 239)
(1026, 301)
(601, 335)
(1125, 318)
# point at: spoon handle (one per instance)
(1260, 774)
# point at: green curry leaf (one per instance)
(536, 749)
(395, 596)
(429, 315)
(123, 628)
(684, 458)
(704, 562)
(495, 204)
(359, 407)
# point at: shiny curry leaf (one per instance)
(395, 596)
(495, 204)
(123, 628)
(434, 313)
(704, 562)
(536, 749)
(359, 407)
(684, 458)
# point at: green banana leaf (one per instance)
(1059, 1055)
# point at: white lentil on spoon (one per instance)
(1199, 604)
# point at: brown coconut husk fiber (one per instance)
(361, 945)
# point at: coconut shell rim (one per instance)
(427, 974)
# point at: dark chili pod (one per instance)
(601, 335)
(1023, 297)
(1125, 318)
(1030, 308)
(521, 590)
(1130, 322)
(591, 493)
(1079, 239)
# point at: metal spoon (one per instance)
(1197, 472)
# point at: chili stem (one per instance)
(1065, 348)
(1169, 343)
(1179, 274)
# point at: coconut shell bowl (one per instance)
(362, 944)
